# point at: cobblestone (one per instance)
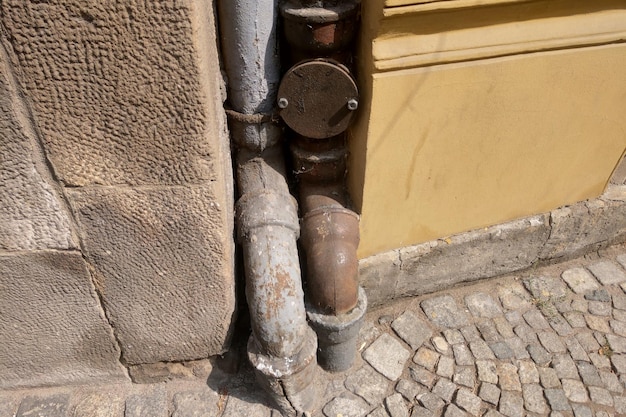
(430, 401)
(511, 404)
(488, 330)
(557, 399)
(444, 311)
(469, 402)
(487, 371)
(508, 379)
(489, 393)
(462, 355)
(152, 404)
(426, 358)
(408, 389)
(533, 398)
(465, 376)
(411, 329)
(502, 350)
(482, 305)
(387, 356)
(575, 390)
(565, 367)
(600, 396)
(579, 280)
(481, 350)
(549, 378)
(396, 407)
(445, 367)
(367, 383)
(444, 389)
(528, 373)
(422, 375)
(607, 273)
(346, 405)
(560, 352)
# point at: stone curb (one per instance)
(562, 234)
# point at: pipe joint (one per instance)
(316, 165)
(289, 380)
(266, 208)
(255, 132)
(338, 335)
(320, 28)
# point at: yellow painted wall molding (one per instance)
(411, 38)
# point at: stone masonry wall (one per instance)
(52, 327)
(122, 180)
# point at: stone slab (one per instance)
(161, 256)
(48, 406)
(32, 214)
(470, 256)
(584, 227)
(52, 329)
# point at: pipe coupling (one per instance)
(320, 29)
(319, 165)
(266, 208)
(291, 382)
(338, 335)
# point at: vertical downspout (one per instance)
(318, 98)
(282, 347)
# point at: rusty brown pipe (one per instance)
(329, 230)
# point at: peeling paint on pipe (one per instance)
(282, 347)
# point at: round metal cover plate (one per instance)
(317, 99)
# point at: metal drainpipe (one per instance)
(282, 347)
(318, 98)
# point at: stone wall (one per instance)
(116, 242)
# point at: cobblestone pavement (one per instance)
(549, 341)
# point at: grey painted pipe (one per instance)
(268, 225)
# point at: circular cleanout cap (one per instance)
(318, 98)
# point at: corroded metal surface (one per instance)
(330, 236)
(317, 94)
(318, 98)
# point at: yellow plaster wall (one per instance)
(447, 148)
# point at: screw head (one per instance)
(353, 104)
(283, 102)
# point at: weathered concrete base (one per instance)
(564, 233)
(56, 331)
(337, 335)
(290, 382)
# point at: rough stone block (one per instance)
(49, 406)
(32, 216)
(153, 403)
(132, 99)
(586, 226)
(162, 257)
(470, 256)
(52, 329)
(378, 276)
